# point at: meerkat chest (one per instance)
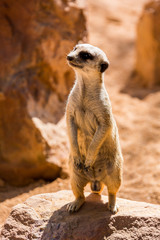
(86, 119)
(86, 106)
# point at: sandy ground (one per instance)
(112, 27)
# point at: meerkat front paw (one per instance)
(75, 206)
(113, 208)
(77, 163)
(88, 166)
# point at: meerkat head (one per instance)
(87, 58)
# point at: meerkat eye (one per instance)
(85, 56)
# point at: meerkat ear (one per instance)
(103, 66)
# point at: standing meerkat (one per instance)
(95, 153)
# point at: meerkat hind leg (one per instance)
(112, 206)
(75, 205)
(77, 188)
(113, 187)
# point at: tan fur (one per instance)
(95, 153)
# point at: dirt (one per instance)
(112, 27)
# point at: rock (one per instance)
(148, 45)
(2, 183)
(45, 217)
(35, 80)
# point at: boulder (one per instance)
(35, 80)
(148, 45)
(45, 217)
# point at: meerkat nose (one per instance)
(70, 58)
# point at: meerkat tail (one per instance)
(96, 186)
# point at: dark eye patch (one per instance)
(85, 56)
(75, 48)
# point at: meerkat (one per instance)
(95, 153)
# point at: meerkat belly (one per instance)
(87, 124)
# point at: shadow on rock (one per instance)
(90, 222)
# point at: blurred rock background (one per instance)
(148, 45)
(35, 80)
(35, 37)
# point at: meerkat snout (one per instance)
(103, 66)
(70, 58)
(85, 57)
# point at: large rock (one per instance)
(148, 45)
(45, 217)
(35, 37)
